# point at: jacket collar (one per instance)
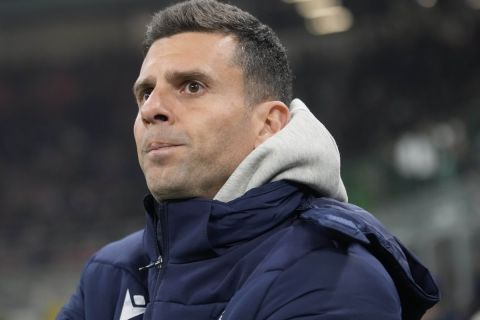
(197, 228)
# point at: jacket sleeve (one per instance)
(332, 285)
(74, 309)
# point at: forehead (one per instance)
(192, 49)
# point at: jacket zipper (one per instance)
(158, 248)
(162, 248)
(157, 263)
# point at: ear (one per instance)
(271, 116)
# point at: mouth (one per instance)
(155, 147)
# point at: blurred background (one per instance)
(397, 83)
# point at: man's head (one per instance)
(259, 52)
(207, 96)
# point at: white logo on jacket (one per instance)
(129, 310)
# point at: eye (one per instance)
(193, 87)
(144, 95)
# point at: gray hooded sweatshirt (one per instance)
(303, 151)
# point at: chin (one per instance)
(162, 192)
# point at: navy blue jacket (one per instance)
(276, 253)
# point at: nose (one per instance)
(156, 110)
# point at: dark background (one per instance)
(399, 90)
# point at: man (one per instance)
(247, 217)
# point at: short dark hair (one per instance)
(260, 54)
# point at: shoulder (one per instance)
(123, 252)
(416, 287)
(313, 271)
(348, 281)
(354, 265)
(332, 269)
(108, 278)
(124, 256)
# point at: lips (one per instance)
(153, 146)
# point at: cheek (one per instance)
(138, 131)
(234, 136)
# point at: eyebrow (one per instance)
(173, 77)
(141, 85)
(176, 77)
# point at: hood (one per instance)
(303, 152)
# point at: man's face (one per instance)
(193, 127)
